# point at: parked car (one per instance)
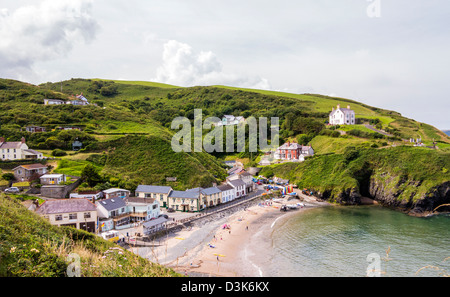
(12, 190)
(170, 210)
(163, 215)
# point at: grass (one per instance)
(406, 173)
(31, 247)
(72, 167)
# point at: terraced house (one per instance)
(161, 193)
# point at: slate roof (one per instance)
(66, 206)
(184, 194)
(225, 187)
(10, 145)
(153, 189)
(112, 204)
(31, 166)
(141, 200)
(236, 182)
(154, 222)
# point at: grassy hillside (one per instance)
(405, 175)
(30, 247)
(146, 110)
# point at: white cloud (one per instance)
(185, 67)
(36, 33)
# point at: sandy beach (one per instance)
(236, 250)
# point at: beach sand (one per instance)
(237, 252)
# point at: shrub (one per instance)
(58, 153)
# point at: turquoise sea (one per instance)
(337, 240)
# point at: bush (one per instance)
(58, 153)
(8, 176)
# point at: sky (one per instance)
(389, 54)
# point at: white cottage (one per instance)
(342, 116)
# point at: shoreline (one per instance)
(237, 251)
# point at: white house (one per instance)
(229, 120)
(342, 116)
(52, 179)
(54, 102)
(239, 187)
(142, 209)
(228, 192)
(17, 150)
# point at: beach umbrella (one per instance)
(220, 255)
(180, 238)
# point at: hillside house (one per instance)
(17, 151)
(35, 129)
(52, 179)
(293, 151)
(29, 172)
(230, 120)
(342, 116)
(161, 193)
(77, 213)
(54, 102)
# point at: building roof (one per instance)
(154, 222)
(244, 173)
(236, 183)
(112, 204)
(65, 206)
(31, 166)
(141, 200)
(210, 191)
(153, 189)
(225, 187)
(11, 145)
(33, 152)
(56, 175)
(112, 190)
(290, 146)
(184, 194)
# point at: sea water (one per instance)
(342, 241)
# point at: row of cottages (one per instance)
(342, 116)
(118, 212)
(17, 151)
(293, 151)
(196, 199)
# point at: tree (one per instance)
(8, 176)
(91, 175)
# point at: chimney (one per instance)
(332, 109)
(348, 106)
(23, 139)
(338, 106)
(2, 139)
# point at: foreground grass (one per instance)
(31, 247)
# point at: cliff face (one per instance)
(434, 201)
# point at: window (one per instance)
(87, 215)
(161, 197)
(148, 195)
(58, 217)
(155, 206)
(72, 216)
